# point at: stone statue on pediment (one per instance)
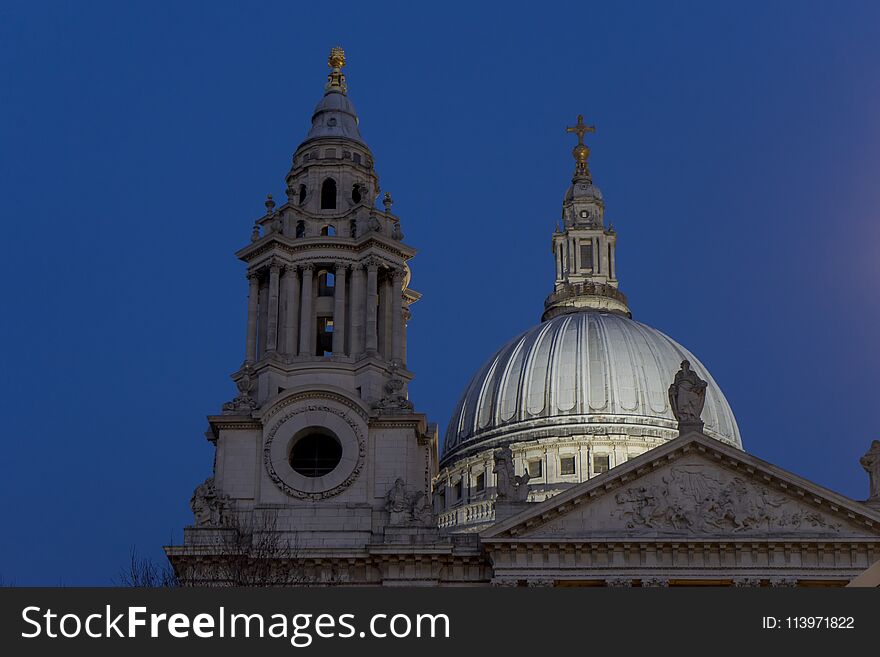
(687, 395)
(871, 463)
(509, 486)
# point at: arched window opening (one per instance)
(328, 231)
(302, 194)
(300, 228)
(326, 283)
(328, 194)
(356, 195)
(353, 226)
(587, 255)
(325, 337)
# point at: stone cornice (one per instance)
(594, 426)
(721, 542)
(285, 365)
(220, 423)
(302, 213)
(417, 421)
(293, 248)
(311, 142)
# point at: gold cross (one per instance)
(581, 129)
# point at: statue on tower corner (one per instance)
(407, 508)
(207, 505)
(871, 463)
(687, 394)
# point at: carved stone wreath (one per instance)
(316, 495)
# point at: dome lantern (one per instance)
(584, 249)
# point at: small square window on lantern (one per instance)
(536, 468)
(601, 464)
(566, 465)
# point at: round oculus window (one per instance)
(315, 454)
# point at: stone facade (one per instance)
(326, 474)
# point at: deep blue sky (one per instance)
(738, 148)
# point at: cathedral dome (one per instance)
(580, 373)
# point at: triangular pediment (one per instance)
(692, 487)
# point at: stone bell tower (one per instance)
(322, 428)
(584, 249)
(329, 297)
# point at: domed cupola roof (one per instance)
(334, 115)
(588, 374)
(584, 190)
(580, 373)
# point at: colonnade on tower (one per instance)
(327, 270)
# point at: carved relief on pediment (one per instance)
(696, 499)
(692, 497)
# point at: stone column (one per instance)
(253, 307)
(397, 316)
(339, 311)
(357, 309)
(597, 257)
(383, 320)
(306, 320)
(612, 264)
(407, 315)
(372, 307)
(291, 315)
(558, 251)
(272, 327)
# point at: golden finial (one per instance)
(581, 152)
(337, 57)
(336, 79)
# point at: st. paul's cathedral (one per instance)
(591, 450)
